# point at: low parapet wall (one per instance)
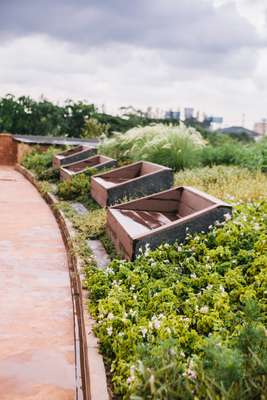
(13, 148)
(8, 149)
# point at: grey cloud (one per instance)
(160, 24)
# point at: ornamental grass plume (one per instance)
(174, 146)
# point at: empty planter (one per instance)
(78, 153)
(96, 162)
(135, 180)
(162, 218)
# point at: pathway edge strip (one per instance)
(93, 373)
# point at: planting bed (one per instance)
(162, 218)
(135, 180)
(76, 154)
(96, 162)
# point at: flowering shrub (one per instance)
(188, 320)
(173, 146)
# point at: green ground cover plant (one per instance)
(229, 183)
(188, 321)
(185, 321)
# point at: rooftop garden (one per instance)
(184, 321)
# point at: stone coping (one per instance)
(92, 369)
(50, 140)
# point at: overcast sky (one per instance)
(209, 54)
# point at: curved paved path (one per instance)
(37, 358)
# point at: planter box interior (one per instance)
(96, 162)
(76, 154)
(164, 217)
(135, 180)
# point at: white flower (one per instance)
(109, 271)
(222, 289)
(209, 287)
(179, 248)
(109, 330)
(156, 324)
(227, 216)
(193, 276)
(204, 309)
(152, 380)
(110, 316)
(144, 332)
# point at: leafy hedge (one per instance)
(188, 321)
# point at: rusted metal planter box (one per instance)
(97, 162)
(164, 217)
(135, 180)
(78, 153)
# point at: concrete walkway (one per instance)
(37, 358)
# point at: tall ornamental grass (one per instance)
(174, 146)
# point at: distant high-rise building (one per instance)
(149, 112)
(188, 113)
(261, 127)
(175, 115)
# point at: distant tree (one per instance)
(93, 128)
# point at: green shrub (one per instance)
(175, 324)
(252, 156)
(173, 146)
(41, 164)
(76, 188)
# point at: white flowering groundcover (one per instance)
(188, 321)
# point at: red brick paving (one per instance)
(37, 358)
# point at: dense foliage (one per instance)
(29, 117)
(77, 188)
(188, 320)
(183, 321)
(230, 152)
(26, 116)
(174, 146)
(40, 163)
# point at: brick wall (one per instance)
(8, 150)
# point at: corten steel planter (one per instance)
(135, 180)
(76, 154)
(164, 217)
(97, 162)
